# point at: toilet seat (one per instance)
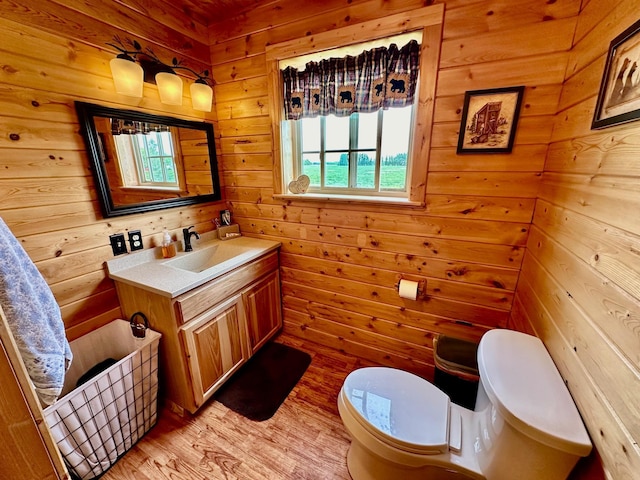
(399, 408)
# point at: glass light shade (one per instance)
(169, 88)
(128, 76)
(201, 96)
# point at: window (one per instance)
(365, 153)
(377, 154)
(154, 159)
(147, 160)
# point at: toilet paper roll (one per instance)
(408, 289)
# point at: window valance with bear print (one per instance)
(377, 78)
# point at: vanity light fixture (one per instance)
(132, 67)
(169, 88)
(128, 76)
(201, 95)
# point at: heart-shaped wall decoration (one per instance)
(299, 185)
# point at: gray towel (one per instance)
(34, 318)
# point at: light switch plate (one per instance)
(118, 245)
(135, 240)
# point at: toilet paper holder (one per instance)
(421, 290)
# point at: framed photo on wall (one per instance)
(619, 95)
(489, 120)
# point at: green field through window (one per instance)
(392, 177)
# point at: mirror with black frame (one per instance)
(143, 162)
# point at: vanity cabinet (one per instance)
(215, 347)
(210, 331)
(264, 317)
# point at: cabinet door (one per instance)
(262, 303)
(216, 346)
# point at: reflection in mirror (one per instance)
(144, 162)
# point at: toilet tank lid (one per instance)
(526, 388)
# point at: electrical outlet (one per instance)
(118, 244)
(135, 240)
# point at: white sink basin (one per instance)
(205, 258)
(171, 277)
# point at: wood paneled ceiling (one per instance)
(215, 11)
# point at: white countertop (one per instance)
(147, 269)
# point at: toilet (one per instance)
(525, 425)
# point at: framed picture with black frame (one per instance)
(225, 217)
(489, 120)
(619, 96)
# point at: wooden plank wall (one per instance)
(580, 273)
(579, 289)
(55, 52)
(341, 262)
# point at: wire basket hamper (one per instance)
(95, 423)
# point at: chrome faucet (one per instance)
(187, 238)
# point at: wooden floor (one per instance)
(305, 439)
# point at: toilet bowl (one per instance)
(525, 425)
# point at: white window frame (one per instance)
(429, 20)
(352, 151)
(130, 161)
(161, 157)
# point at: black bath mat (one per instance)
(262, 384)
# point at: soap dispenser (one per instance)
(168, 248)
